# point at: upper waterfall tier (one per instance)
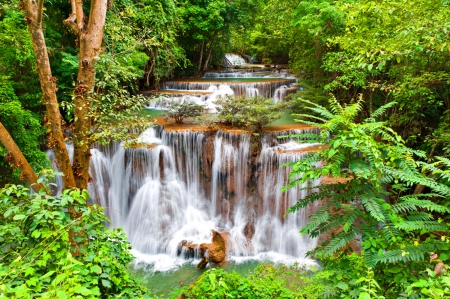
(266, 86)
(186, 183)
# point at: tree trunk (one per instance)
(33, 18)
(200, 60)
(205, 67)
(90, 40)
(20, 161)
(90, 37)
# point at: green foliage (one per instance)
(313, 24)
(367, 174)
(179, 110)
(212, 27)
(433, 285)
(17, 62)
(270, 37)
(36, 248)
(150, 27)
(27, 132)
(267, 281)
(256, 112)
(20, 104)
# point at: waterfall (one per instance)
(232, 60)
(251, 92)
(182, 185)
(265, 89)
(241, 74)
(58, 179)
(229, 172)
(279, 94)
(273, 231)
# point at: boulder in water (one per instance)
(217, 249)
(203, 262)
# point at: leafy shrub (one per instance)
(183, 109)
(36, 258)
(210, 121)
(256, 112)
(366, 197)
(268, 281)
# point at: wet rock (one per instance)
(217, 249)
(180, 247)
(187, 248)
(203, 263)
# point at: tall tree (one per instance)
(88, 29)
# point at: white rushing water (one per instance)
(233, 60)
(206, 90)
(179, 188)
(265, 89)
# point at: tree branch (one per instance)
(39, 13)
(19, 159)
(79, 14)
(70, 21)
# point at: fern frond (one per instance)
(413, 178)
(427, 226)
(373, 206)
(331, 193)
(444, 160)
(315, 220)
(339, 241)
(407, 254)
(322, 111)
(304, 119)
(412, 203)
(380, 111)
(335, 107)
(389, 231)
(419, 216)
(307, 122)
(343, 218)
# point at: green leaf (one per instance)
(36, 234)
(421, 283)
(19, 217)
(106, 283)
(48, 274)
(395, 269)
(342, 286)
(96, 269)
(83, 291)
(364, 295)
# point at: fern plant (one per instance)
(367, 176)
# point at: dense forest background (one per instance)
(385, 66)
(387, 51)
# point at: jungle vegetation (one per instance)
(376, 81)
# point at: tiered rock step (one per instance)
(266, 86)
(176, 93)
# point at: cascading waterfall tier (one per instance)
(206, 90)
(184, 184)
(266, 89)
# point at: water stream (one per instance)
(182, 185)
(204, 91)
(185, 184)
